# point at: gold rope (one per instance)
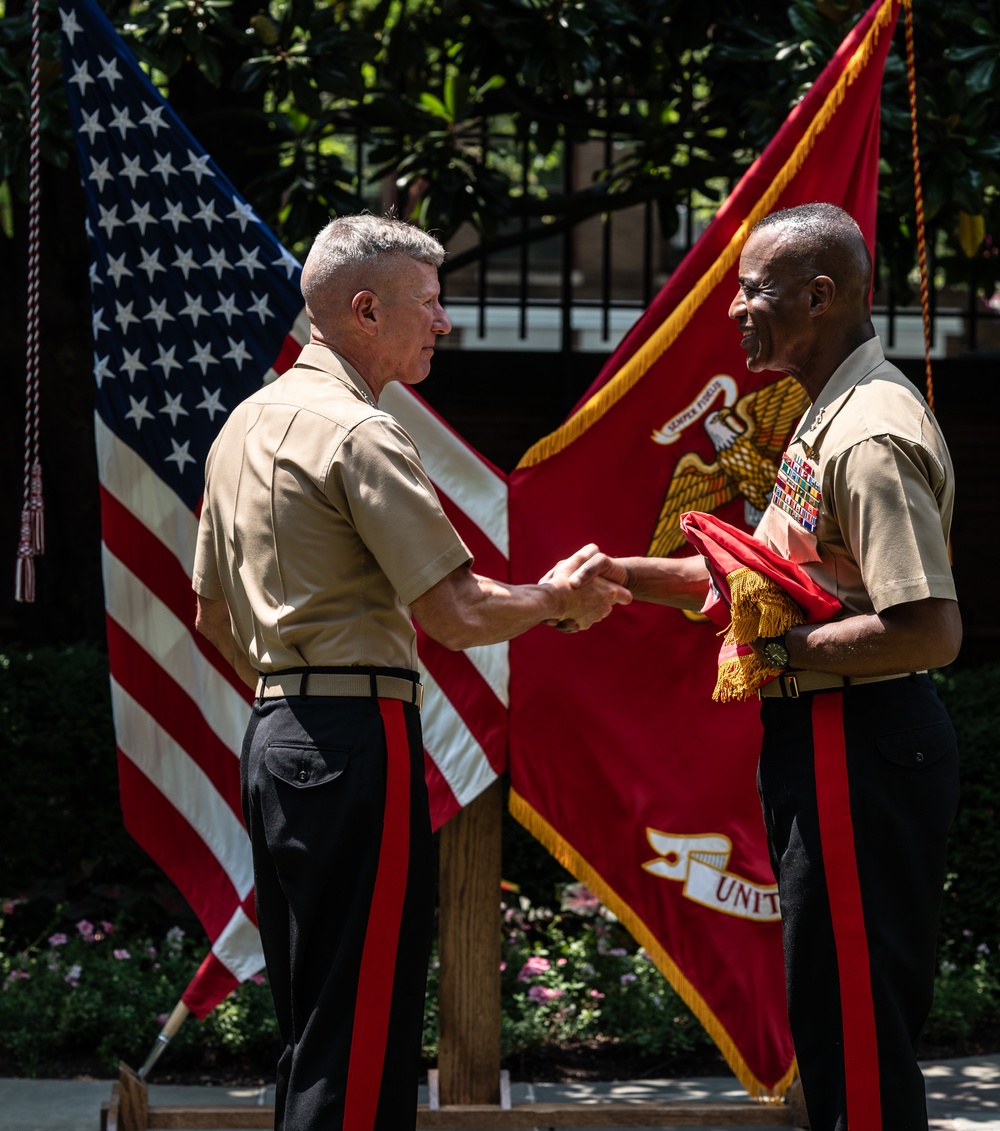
(574, 863)
(666, 334)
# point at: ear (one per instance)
(822, 291)
(365, 312)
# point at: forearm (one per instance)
(489, 612)
(212, 620)
(680, 582)
(913, 637)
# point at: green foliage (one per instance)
(971, 913)
(86, 991)
(689, 92)
(63, 840)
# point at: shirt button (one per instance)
(920, 756)
(304, 774)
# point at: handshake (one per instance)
(591, 584)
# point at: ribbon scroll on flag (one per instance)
(616, 745)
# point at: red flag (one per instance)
(195, 303)
(619, 760)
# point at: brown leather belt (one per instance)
(360, 686)
(790, 685)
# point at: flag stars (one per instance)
(153, 119)
(150, 263)
(194, 309)
(91, 126)
(198, 166)
(185, 262)
(218, 262)
(227, 308)
(102, 368)
(250, 261)
(132, 365)
(203, 358)
(99, 173)
(142, 216)
(174, 215)
(166, 360)
(109, 72)
(207, 214)
(121, 120)
(132, 168)
(237, 353)
(288, 261)
(243, 214)
(180, 455)
(211, 404)
(109, 219)
(173, 408)
(164, 167)
(138, 412)
(117, 270)
(124, 316)
(259, 306)
(97, 323)
(81, 77)
(158, 313)
(69, 25)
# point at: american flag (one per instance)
(195, 304)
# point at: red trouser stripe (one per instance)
(378, 959)
(864, 1106)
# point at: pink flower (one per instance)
(15, 976)
(86, 929)
(533, 967)
(561, 961)
(579, 899)
(122, 954)
(58, 939)
(106, 927)
(541, 994)
(258, 979)
(73, 977)
(626, 978)
(596, 994)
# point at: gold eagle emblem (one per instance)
(748, 440)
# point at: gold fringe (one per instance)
(759, 607)
(667, 333)
(740, 676)
(582, 870)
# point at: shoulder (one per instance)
(884, 403)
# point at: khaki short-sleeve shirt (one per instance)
(864, 496)
(319, 524)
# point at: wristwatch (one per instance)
(774, 651)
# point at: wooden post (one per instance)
(469, 947)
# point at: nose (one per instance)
(441, 323)
(738, 307)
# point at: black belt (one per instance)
(351, 685)
(790, 685)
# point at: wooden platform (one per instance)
(129, 1110)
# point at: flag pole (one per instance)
(166, 1035)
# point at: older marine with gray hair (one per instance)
(320, 532)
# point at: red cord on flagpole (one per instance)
(911, 85)
(32, 535)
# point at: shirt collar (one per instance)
(326, 360)
(851, 371)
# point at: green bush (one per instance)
(971, 913)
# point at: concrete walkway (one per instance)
(962, 1095)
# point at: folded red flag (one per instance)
(756, 594)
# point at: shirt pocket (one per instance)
(303, 765)
(918, 747)
(792, 541)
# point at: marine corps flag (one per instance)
(620, 762)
